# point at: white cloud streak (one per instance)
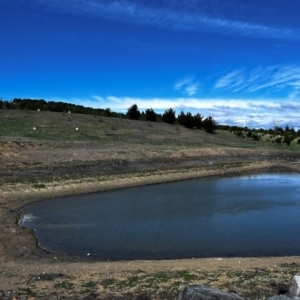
(165, 16)
(273, 78)
(232, 79)
(187, 85)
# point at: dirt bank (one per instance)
(33, 174)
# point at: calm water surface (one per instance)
(257, 215)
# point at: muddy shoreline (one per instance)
(21, 256)
(13, 202)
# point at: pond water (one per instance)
(253, 215)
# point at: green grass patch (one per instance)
(66, 285)
(108, 282)
(186, 275)
(131, 281)
(89, 284)
(39, 186)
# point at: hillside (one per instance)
(57, 160)
(61, 127)
(68, 146)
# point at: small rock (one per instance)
(202, 292)
(294, 289)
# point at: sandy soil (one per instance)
(33, 172)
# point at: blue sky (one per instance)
(237, 61)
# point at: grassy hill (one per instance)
(65, 127)
(38, 147)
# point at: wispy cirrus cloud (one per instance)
(235, 79)
(241, 112)
(271, 78)
(176, 15)
(188, 86)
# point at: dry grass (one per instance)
(59, 127)
(257, 283)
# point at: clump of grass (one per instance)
(108, 282)
(131, 281)
(27, 292)
(186, 276)
(39, 186)
(88, 287)
(66, 285)
(89, 284)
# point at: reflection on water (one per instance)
(253, 215)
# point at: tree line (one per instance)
(35, 104)
(187, 120)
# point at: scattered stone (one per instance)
(202, 292)
(294, 289)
